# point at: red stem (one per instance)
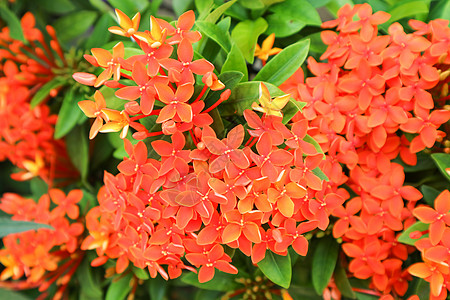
(205, 88)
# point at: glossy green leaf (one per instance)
(283, 26)
(218, 12)
(291, 109)
(119, 287)
(334, 5)
(324, 262)
(277, 268)
(300, 10)
(44, 91)
(100, 35)
(15, 28)
(181, 6)
(312, 141)
(58, 7)
(204, 7)
(442, 161)
(243, 95)
(77, 143)
(342, 283)
(408, 8)
(230, 80)
(245, 34)
(429, 194)
(69, 114)
(8, 226)
(441, 10)
(74, 24)
(220, 282)
(89, 283)
(404, 236)
(319, 173)
(158, 288)
(236, 62)
(214, 32)
(284, 64)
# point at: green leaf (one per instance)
(119, 289)
(290, 9)
(141, 273)
(89, 283)
(424, 163)
(252, 4)
(291, 109)
(429, 194)
(230, 80)
(277, 268)
(180, 6)
(9, 294)
(243, 95)
(214, 32)
(442, 161)
(236, 62)
(111, 100)
(319, 173)
(44, 91)
(334, 5)
(15, 28)
(245, 34)
(220, 282)
(418, 226)
(284, 64)
(283, 26)
(318, 3)
(100, 35)
(440, 11)
(218, 12)
(408, 8)
(158, 288)
(130, 7)
(57, 7)
(312, 141)
(68, 115)
(324, 262)
(77, 143)
(38, 187)
(342, 283)
(74, 24)
(8, 226)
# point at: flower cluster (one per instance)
(257, 189)
(372, 99)
(26, 132)
(47, 254)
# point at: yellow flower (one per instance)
(266, 50)
(270, 106)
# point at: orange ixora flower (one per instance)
(128, 27)
(266, 49)
(94, 110)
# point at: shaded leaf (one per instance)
(89, 283)
(180, 6)
(58, 7)
(342, 282)
(69, 114)
(290, 9)
(230, 80)
(8, 226)
(77, 144)
(429, 194)
(283, 26)
(220, 282)
(9, 294)
(119, 289)
(15, 28)
(442, 161)
(100, 35)
(277, 268)
(44, 91)
(291, 109)
(284, 64)
(74, 24)
(158, 288)
(441, 10)
(324, 262)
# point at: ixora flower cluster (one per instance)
(27, 132)
(374, 98)
(46, 255)
(203, 192)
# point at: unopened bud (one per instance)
(198, 132)
(169, 127)
(444, 90)
(132, 108)
(85, 78)
(201, 146)
(53, 93)
(415, 234)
